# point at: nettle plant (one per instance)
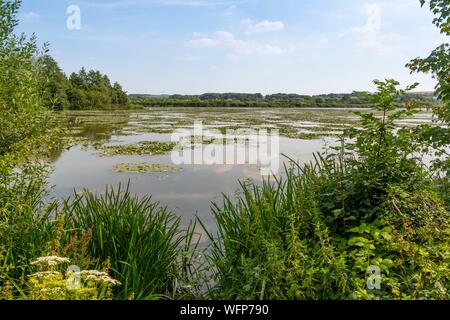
(375, 156)
(380, 203)
(386, 150)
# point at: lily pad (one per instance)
(144, 168)
(142, 148)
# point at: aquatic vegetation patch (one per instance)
(150, 148)
(154, 130)
(144, 168)
(306, 136)
(288, 121)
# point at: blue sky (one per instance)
(267, 46)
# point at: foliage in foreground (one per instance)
(279, 242)
(436, 137)
(25, 132)
(141, 239)
(136, 240)
(316, 233)
(52, 282)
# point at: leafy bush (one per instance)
(436, 138)
(25, 132)
(276, 243)
(314, 234)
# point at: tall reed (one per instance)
(273, 243)
(141, 239)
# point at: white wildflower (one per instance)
(93, 273)
(45, 274)
(50, 260)
(99, 276)
(108, 279)
(91, 278)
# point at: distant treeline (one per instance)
(332, 100)
(81, 90)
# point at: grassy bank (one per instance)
(295, 239)
(140, 243)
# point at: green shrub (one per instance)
(25, 133)
(26, 225)
(315, 233)
(275, 243)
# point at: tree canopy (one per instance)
(92, 89)
(81, 90)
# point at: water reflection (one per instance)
(189, 191)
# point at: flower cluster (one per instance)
(98, 276)
(50, 261)
(43, 274)
(51, 284)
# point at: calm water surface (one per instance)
(189, 191)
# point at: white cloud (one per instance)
(230, 10)
(373, 23)
(189, 58)
(238, 47)
(323, 40)
(203, 43)
(30, 15)
(263, 26)
(371, 35)
(189, 3)
(107, 39)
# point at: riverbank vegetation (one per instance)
(316, 233)
(371, 204)
(281, 100)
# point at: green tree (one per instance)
(21, 105)
(78, 80)
(438, 62)
(119, 96)
(55, 92)
(25, 135)
(93, 90)
(437, 137)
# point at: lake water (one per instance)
(189, 190)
